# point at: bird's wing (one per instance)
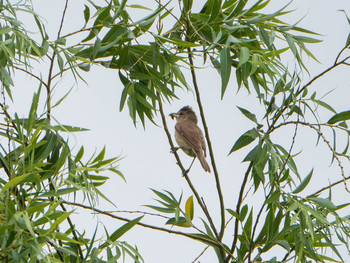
(191, 134)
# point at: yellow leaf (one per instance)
(189, 207)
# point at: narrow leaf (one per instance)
(304, 183)
(245, 140)
(225, 68)
(248, 114)
(189, 207)
(121, 231)
(343, 116)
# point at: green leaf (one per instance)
(247, 229)
(86, 13)
(121, 231)
(343, 116)
(243, 56)
(59, 192)
(245, 140)
(323, 202)
(15, 181)
(243, 213)
(324, 105)
(189, 208)
(177, 42)
(162, 209)
(248, 114)
(237, 11)
(306, 39)
(233, 213)
(225, 68)
(58, 221)
(181, 221)
(304, 183)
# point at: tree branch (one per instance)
(238, 208)
(213, 242)
(183, 170)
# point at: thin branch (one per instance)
(183, 170)
(273, 188)
(206, 132)
(330, 186)
(194, 237)
(32, 75)
(335, 154)
(336, 64)
(201, 254)
(238, 208)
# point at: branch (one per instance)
(183, 170)
(335, 154)
(207, 137)
(238, 208)
(212, 242)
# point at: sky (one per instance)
(147, 161)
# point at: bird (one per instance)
(189, 136)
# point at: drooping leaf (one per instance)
(121, 231)
(343, 116)
(247, 138)
(304, 183)
(248, 114)
(189, 208)
(225, 68)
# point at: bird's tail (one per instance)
(204, 163)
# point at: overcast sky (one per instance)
(148, 163)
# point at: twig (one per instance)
(195, 237)
(335, 154)
(238, 208)
(201, 254)
(210, 148)
(183, 170)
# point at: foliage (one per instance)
(151, 57)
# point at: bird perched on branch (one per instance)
(189, 136)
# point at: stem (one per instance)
(238, 208)
(183, 170)
(213, 242)
(210, 148)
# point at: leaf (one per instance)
(248, 114)
(67, 128)
(233, 213)
(189, 207)
(59, 192)
(121, 231)
(86, 13)
(307, 39)
(243, 56)
(325, 105)
(343, 116)
(225, 68)
(181, 221)
(304, 183)
(59, 220)
(245, 140)
(14, 181)
(177, 42)
(243, 213)
(323, 202)
(237, 10)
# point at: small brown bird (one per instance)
(189, 136)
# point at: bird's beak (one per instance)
(173, 115)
